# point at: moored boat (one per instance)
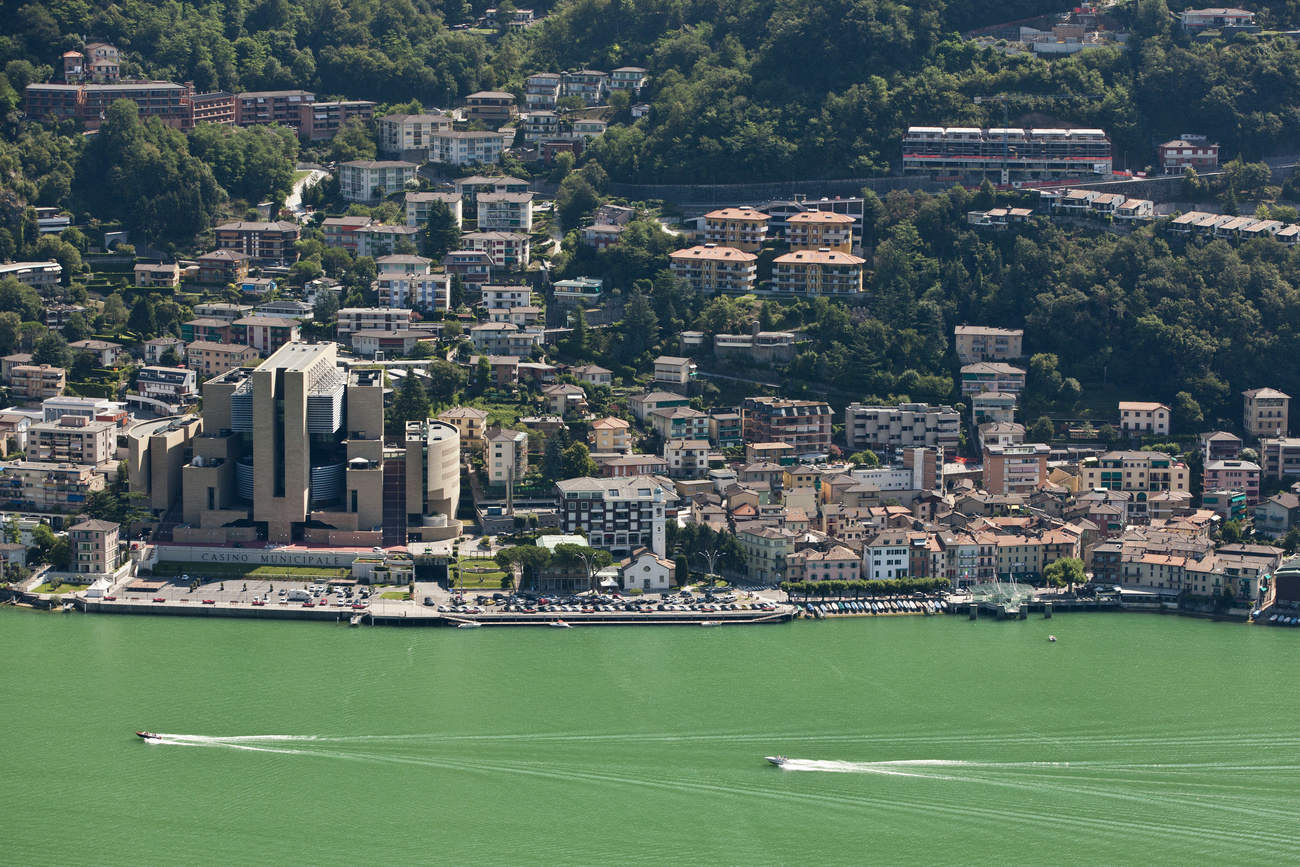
(469, 624)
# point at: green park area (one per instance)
(479, 573)
(169, 568)
(60, 588)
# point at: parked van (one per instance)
(298, 596)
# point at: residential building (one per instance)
(173, 385)
(740, 228)
(261, 241)
(681, 422)
(992, 406)
(36, 274)
(590, 84)
(687, 459)
(37, 381)
(266, 334)
(272, 106)
(223, 267)
(418, 204)
(1279, 457)
(509, 251)
(644, 404)
(766, 549)
(541, 91)
(106, 352)
(72, 440)
(103, 62)
(9, 362)
(215, 107)
(416, 289)
(506, 338)
(1015, 469)
(472, 266)
(165, 276)
(888, 555)
(627, 466)
(213, 359)
(1278, 515)
(602, 235)
(645, 571)
(564, 400)
(391, 343)
(506, 456)
(352, 319)
(492, 107)
(992, 376)
(170, 104)
(1217, 18)
(505, 212)
(609, 435)
(56, 316)
(1219, 446)
(677, 372)
(470, 422)
(1267, 413)
(454, 148)
(976, 343)
(588, 128)
(541, 125)
(1144, 419)
(804, 424)
(367, 180)
(204, 328)
(1013, 154)
(155, 349)
(47, 487)
(1135, 471)
(222, 310)
(578, 291)
(904, 426)
(409, 135)
(90, 408)
(726, 429)
(820, 230)
(817, 272)
(836, 564)
(285, 308)
(710, 269)
(380, 239)
(95, 548)
(618, 514)
(506, 297)
(344, 232)
(1235, 475)
(593, 373)
(1175, 157)
(630, 78)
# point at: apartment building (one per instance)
(906, 426)
(976, 343)
(453, 148)
(618, 514)
(817, 272)
(155, 349)
(492, 107)
(766, 550)
(505, 212)
(803, 424)
(409, 135)
(36, 274)
(711, 269)
(47, 487)
(266, 334)
(167, 102)
(472, 266)
(820, 230)
(1135, 471)
(674, 371)
(610, 435)
(261, 241)
(687, 459)
(98, 61)
(889, 555)
(418, 204)
(506, 456)
(223, 267)
(471, 423)
(590, 84)
(37, 381)
(541, 125)
(206, 328)
(352, 319)
(505, 338)
(509, 251)
(630, 78)
(272, 106)
(106, 352)
(72, 440)
(739, 228)
(1137, 418)
(366, 180)
(174, 385)
(1015, 469)
(381, 239)
(425, 291)
(95, 548)
(992, 376)
(542, 91)
(1267, 413)
(207, 358)
(164, 276)
(215, 107)
(1175, 157)
(679, 423)
(1278, 457)
(322, 120)
(506, 297)
(222, 310)
(1017, 154)
(1236, 475)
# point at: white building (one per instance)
(646, 572)
(506, 456)
(887, 555)
(417, 207)
(505, 212)
(509, 251)
(352, 319)
(908, 425)
(466, 148)
(399, 133)
(366, 180)
(1137, 418)
(618, 514)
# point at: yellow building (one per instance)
(610, 435)
(818, 230)
(712, 269)
(470, 422)
(742, 228)
(817, 272)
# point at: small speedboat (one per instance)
(710, 622)
(469, 624)
(559, 624)
(1051, 638)
(779, 761)
(149, 736)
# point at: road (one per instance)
(293, 202)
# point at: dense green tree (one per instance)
(410, 404)
(441, 232)
(1041, 431)
(52, 349)
(445, 380)
(640, 327)
(456, 292)
(254, 163)
(326, 306)
(142, 321)
(10, 332)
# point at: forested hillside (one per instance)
(739, 89)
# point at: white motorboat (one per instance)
(469, 624)
(779, 761)
(559, 624)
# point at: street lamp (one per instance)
(710, 557)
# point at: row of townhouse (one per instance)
(543, 90)
(1228, 226)
(1079, 203)
(711, 269)
(1015, 154)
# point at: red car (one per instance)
(309, 605)
(209, 602)
(110, 598)
(160, 599)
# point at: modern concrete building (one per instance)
(1279, 457)
(492, 107)
(506, 456)
(471, 148)
(470, 422)
(213, 359)
(803, 424)
(266, 334)
(1135, 471)
(1015, 469)
(351, 319)
(505, 212)
(905, 426)
(1017, 154)
(618, 514)
(37, 381)
(72, 440)
(418, 204)
(992, 376)
(673, 371)
(366, 180)
(261, 241)
(408, 136)
(1237, 475)
(47, 487)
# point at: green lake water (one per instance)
(1133, 739)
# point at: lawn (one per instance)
(490, 580)
(175, 567)
(503, 413)
(59, 588)
(399, 596)
(298, 176)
